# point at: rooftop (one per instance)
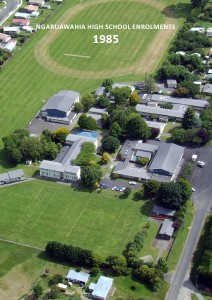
(160, 210)
(159, 111)
(78, 276)
(186, 101)
(207, 88)
(167, 227)
(102, 287)
(63, 101)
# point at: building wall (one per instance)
(72, 176)
(51, 174)
(56, 113)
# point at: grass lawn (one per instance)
(170, 126)
(180, 240)
(38, 211)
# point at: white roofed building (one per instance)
(102, 289)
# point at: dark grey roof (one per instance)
(160, 210)
(172, 81)
(98, 111)
(126, 169)
(100, 91)
(167, 227)
(16, 174)
(146, 147)
(159, 111)
(186, 101)
(51, 165)
(62, 101)
(72, 169)
(167, 158)
(153, 124)
(140, 153)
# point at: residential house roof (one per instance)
(10, 45)
(78, 276)
(158, 125)
(161, 210)
(102, 287)
(72, 169)
(4, 37)
(21, 21)
(4, 177)
(31, 7)
(167, 158)
(36, 1)
(146, 147)
(125, 169)
(11, 29)
(99, 111)
(62, 101)
(100, 91)
(20, 15)
(167, 227)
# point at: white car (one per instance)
(132, 182)
(193, 189)
(200, 163)
(114, 188)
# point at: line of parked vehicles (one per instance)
(116, 188)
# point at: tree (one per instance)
(97, 260)
(162, 265)
(60, 134)
(143, 161)
(110, 144)
(57, 278)
(137, 128)
(134, 99)
(118, 264)
(115, 130)
(127, 191)
(190, 120)
(154, 132)
(102, 102)
(170, 195)
(107, 82)
(87, 123)
(199, 3)
(78, 107)
(181, 92)
(179, 135)
(95, 271)
(105, 158)
(119, 116)
(191, 88)
(87, 102)
(151, 188)
(31, 148)
(91, 175)
(186, 189)
(47, 135)
(139, 194)
(37, 290)
(50, 150)
(15, 155)
(121, 95)
(104, 120)
(150, 84)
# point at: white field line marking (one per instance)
(75, 55)
(61, 218)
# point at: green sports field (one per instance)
(39, 211)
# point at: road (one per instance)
(10, 7)
(201, 181)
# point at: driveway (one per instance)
(119, 183)
(11, 5)
(201, 180)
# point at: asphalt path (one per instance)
(201, 181)
(10, 7)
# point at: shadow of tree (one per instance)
(177, 11)
(4, 162)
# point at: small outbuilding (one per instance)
(166, 230)
(171, 83)
(62, 287)
(102, 289)
(77, 277)
(162, 211)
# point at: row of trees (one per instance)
(20, 146)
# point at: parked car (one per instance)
(132, 183)
(114, 188)
(200, 163)
(194, 157)
(104, 186)
(193, 189)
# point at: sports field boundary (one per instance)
(147, 63)
(22, 245)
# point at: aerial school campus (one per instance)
(105, 150)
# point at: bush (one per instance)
(95, 271)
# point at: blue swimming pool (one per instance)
(92, 134)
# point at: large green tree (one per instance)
(60, 134)
(190, 120)
(150, 84)
(115, 130)
(150, 188)
(87, 123)
(110, 144)
(88, 101)
(31, 148)
(91, 175)
(137, 128)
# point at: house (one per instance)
(23, 16)
(21, 22)
(159, 125)
(31, 8)
(12, 176)
(209, 32)
(119, 86)
(36, 2)
(4, 38)
(27, 28)
(11, 29)
(161, 113)
(77, 277)
(160, 211)
(102, 289)
(166, 230)
(10, 46)
(197, 104)
(171, 83)
(35, 14)
(207, 89)
(59, 108)
(167, 159)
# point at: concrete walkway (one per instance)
(21, 244)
